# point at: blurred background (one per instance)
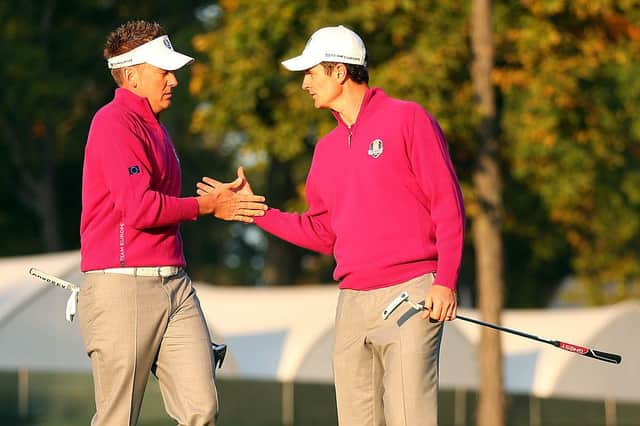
(539, 101)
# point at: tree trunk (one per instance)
(282, 259)
(282, 263)
(486, 226)
(48, 212)
(38, 192)
(36, 184)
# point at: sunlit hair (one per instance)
(127, 37)
(357, 73)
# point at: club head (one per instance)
(402, 297)
(219, 352)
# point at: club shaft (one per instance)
(578, 350)
(505, 329)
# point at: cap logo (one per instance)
(330, 55)
(375, 148)
(167, 43)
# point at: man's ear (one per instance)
(341, 72)
(131, 77)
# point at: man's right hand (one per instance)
(230, 201)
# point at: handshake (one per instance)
(229, 201)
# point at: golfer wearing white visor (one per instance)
(137, 308)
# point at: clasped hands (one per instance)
(230, 201)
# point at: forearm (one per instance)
(303, 230)
(155, 210)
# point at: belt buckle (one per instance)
(168, 271)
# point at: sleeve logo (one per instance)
(134, 170)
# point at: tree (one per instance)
(57, 80)
(40, 112)
(570, 98)
(256, 110)
(487, 221)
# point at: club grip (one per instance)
(52, 279)
(591, 353)
(608, 357)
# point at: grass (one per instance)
(57, 399)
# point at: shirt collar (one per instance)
(366, 100)
(135, 103)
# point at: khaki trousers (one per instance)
(386, 371)
(132, 325)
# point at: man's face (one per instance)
(156, 85)
(323, 88)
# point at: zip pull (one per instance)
(349, 141)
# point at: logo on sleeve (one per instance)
(375, 148)
(134, 170)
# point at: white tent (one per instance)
(34, 334)
(545, 371)
(286, 334)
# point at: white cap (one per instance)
(329, 44)
(157, 52)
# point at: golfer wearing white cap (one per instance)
(394, 220)
(138, 310)
(384, 200)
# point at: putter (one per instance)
(219, 352)
(580, 350)
(72, 302)
(219, 349)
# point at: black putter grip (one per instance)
(605, 356)
(591, 353)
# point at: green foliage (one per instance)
(568, 93)
(56, 79)
(568, 98)
(570, 111)
(257, 110)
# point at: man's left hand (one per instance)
(440, 303)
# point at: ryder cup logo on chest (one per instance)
(375, 148)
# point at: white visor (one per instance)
(157, 52)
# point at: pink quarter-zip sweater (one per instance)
(383, 199)
(131, 204)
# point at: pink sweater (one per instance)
(383, 199)
(131, 207)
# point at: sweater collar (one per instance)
(369, 100)
(135, 103)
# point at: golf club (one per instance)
(219, 349)
(53, 280)
(72, 302)
(580, 350)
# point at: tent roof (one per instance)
(33, 331)
(281, 324)
(286, 333)
(544, 370)
(14, 287)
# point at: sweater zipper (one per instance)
(349, 140)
